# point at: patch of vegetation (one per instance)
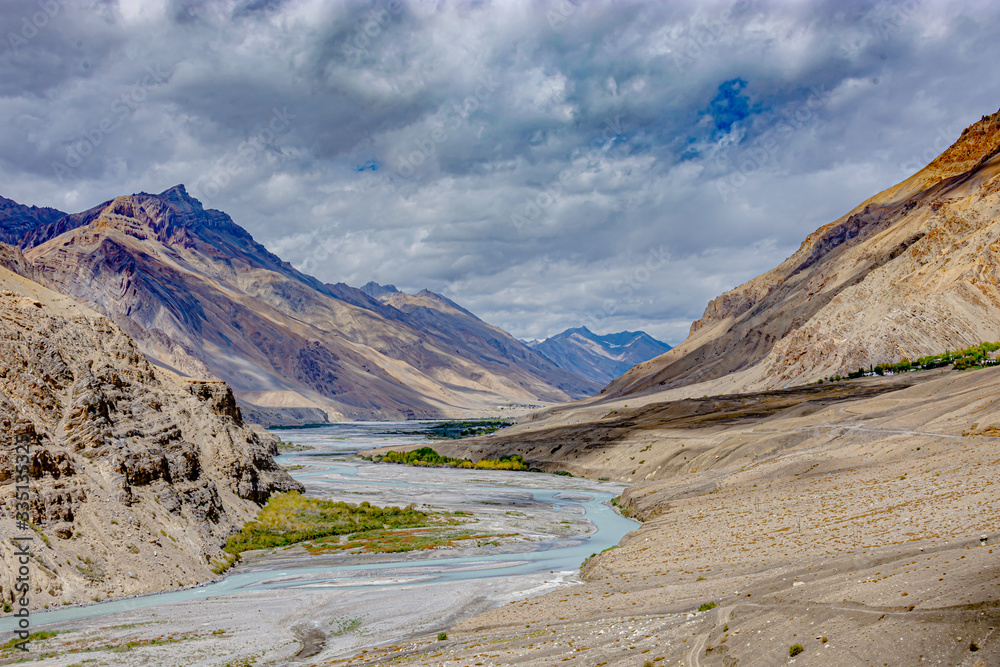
(426, 456)
(114, 648)
(290, 517)
(442, 636)
(284, 447)
(594, 555)
(976, 356)
(222, 566)
(401, 541)
(454, 430)
(33, 637)
(90, 570)
(707, 606)
(794, 650)
(345, 625)
(242, 662)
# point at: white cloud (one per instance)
(619, 143)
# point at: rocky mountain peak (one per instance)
(173, 216)
(978, 142)
(374, 290)
(180, 200)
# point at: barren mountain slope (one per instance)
(137, 476)
(449, 323)
(911, 271)
(201, 296)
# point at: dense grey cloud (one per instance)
(546, 164)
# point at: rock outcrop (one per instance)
(137, 476)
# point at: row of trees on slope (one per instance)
(976, 356)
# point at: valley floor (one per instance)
(845, 519)
(307, 604)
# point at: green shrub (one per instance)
(454, 430)
(426, 456)
(221, 566)
(794, 650)
(707, 606)
(33, 637)
(442, 636)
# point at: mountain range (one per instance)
(598, 358)
(202, 298)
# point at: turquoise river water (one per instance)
(330, 465)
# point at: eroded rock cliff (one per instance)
(137, 475)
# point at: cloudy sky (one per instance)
(545, 164)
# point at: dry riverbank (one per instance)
(854, 518)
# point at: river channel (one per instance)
(290, 606)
